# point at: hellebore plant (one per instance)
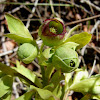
(56, 62)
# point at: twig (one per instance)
(4, 48)
(15, 91)
(16, 9)
(94, 21)
(94, 48)
(89, 3)
(82, 20)
(20, 83)
(39, 15)
(39, 4)
(83, 50)
(82, 54)
(95, 26)
(92, 70)
(31, 15)
(30, 19)
(36, 64)
(35, 4)
(15, 49)
(46, 14)
(2, 0)
(78, 6)
(52, 8)
(2, 7)
(8, 52)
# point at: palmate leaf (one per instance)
(82, 39)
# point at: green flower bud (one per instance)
(27, 52)
(52, 32)
(89, 85)
(65, 59)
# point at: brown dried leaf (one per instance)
(10, 45)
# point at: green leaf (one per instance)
(49, 71)
(28, 74)
(80, 74)
(44, 56)
(51, 98)
(7, 96)
(22, 73)
(44, 94)
(71, 45)
(82, 39)
(89, 85)
(7, 70)
(18, 38)
(26, 96)
(5, 85)
(47, 53)
(56, 78)
(58, 63)
(86, 97)
(58, 91)
(68, 80)
(96, 97)
(17, 27)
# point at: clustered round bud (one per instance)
(27, 53)
(52, 32)
(65, 59)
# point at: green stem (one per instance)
(39, 4)
(66, 95)
(72, 30)
(49, 71)
(41, 48)
(43, 75)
